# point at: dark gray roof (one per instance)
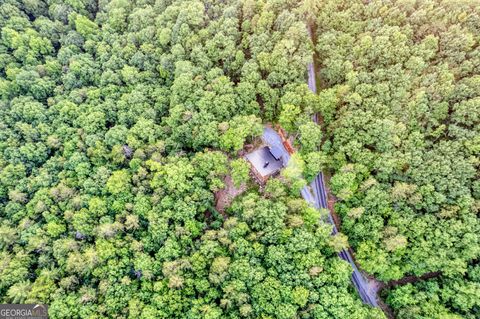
(276, 152)
(259, 157)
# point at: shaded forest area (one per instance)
(401, 109)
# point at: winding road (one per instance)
(366, 290)
(316, 196)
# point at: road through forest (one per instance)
(315, 195)
(318, 199)
(366, 290)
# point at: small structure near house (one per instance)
(265, 161)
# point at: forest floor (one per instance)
(331, 200)
(410, 279)
(225, 196)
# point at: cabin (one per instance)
(265, 162)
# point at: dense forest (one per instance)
(454, 297)
(119, 121)
(400, 101)
(122, 120)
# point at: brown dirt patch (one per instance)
(331, 200)
(225, 196)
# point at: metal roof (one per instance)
(276, 152)
(260, 157)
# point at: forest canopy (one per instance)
(404, 132)
(400, 101)
(121, 121)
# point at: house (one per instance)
(265, 162)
